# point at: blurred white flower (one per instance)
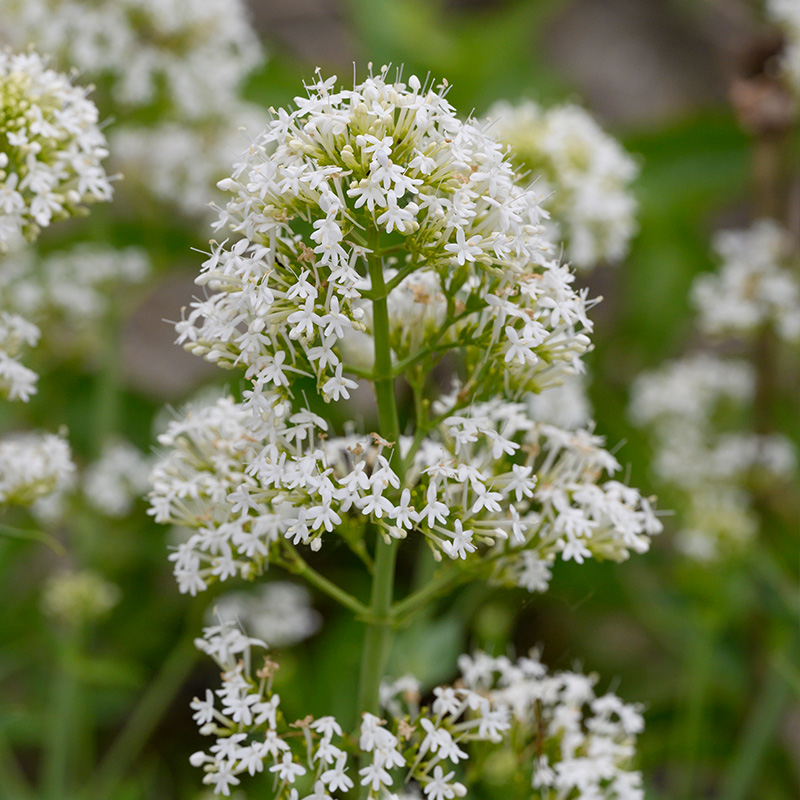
(278, 612)
(582, 174)
(50, 148)
(755, 286)
(117, 479)
(33, 465)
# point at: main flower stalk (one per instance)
(377, 640)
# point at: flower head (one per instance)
(50, 148)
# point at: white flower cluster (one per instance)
(33, 465)
(489, 484)
(583, 173)
(564, 739)
(50, 148)
(684, 404)
(566, 406)
(786, 13)
(279, 613)
(117, 479)
(17, 382)
(193, 52)
(383, 175)
(181, 163)
(71, 287)
(76, 598)
(755, 285)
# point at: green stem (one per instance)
(62, 734)
(298, 566)
(431, 590)
(31, 535)
(140, 725)
(377, 640)
(698, 675)
(755, 738)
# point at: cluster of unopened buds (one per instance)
(562, 737)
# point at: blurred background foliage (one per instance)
(710, 650)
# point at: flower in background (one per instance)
(117, 479)
(68, 294)
(786, 14)
(17, 382)
(582, 174)
(51, 148)
(755, 286)
(691, 408)
(33, 465)
(191, 55)
(278, 612)
(78, 598)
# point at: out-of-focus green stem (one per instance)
(699, 669)
(141, 723)
(63, 732)
(756, 736)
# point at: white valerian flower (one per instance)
(589, 739)
(33, 465)
(383, 174)
(193, 54)
(705, 465)
(52, 148)
(756, 284)
(787, 14)
(17, 382)
(566, 406)
(80, 597)
(582, 173)
(279, 613)
(490, 483)
(68, 294)
(117, 479)
(180, 161)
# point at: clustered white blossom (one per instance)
(117, 479)
(563, 739)
(70, 289)
(278, 613)
(685, 404)
(786, 13)
(191, 54)
(566, 406)
(382, 172)
(78, 597)
(17, 382)
(33, 465)
(489, 484)
(51, 148)
(582, 173)
(181, 163)
(755, 286)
